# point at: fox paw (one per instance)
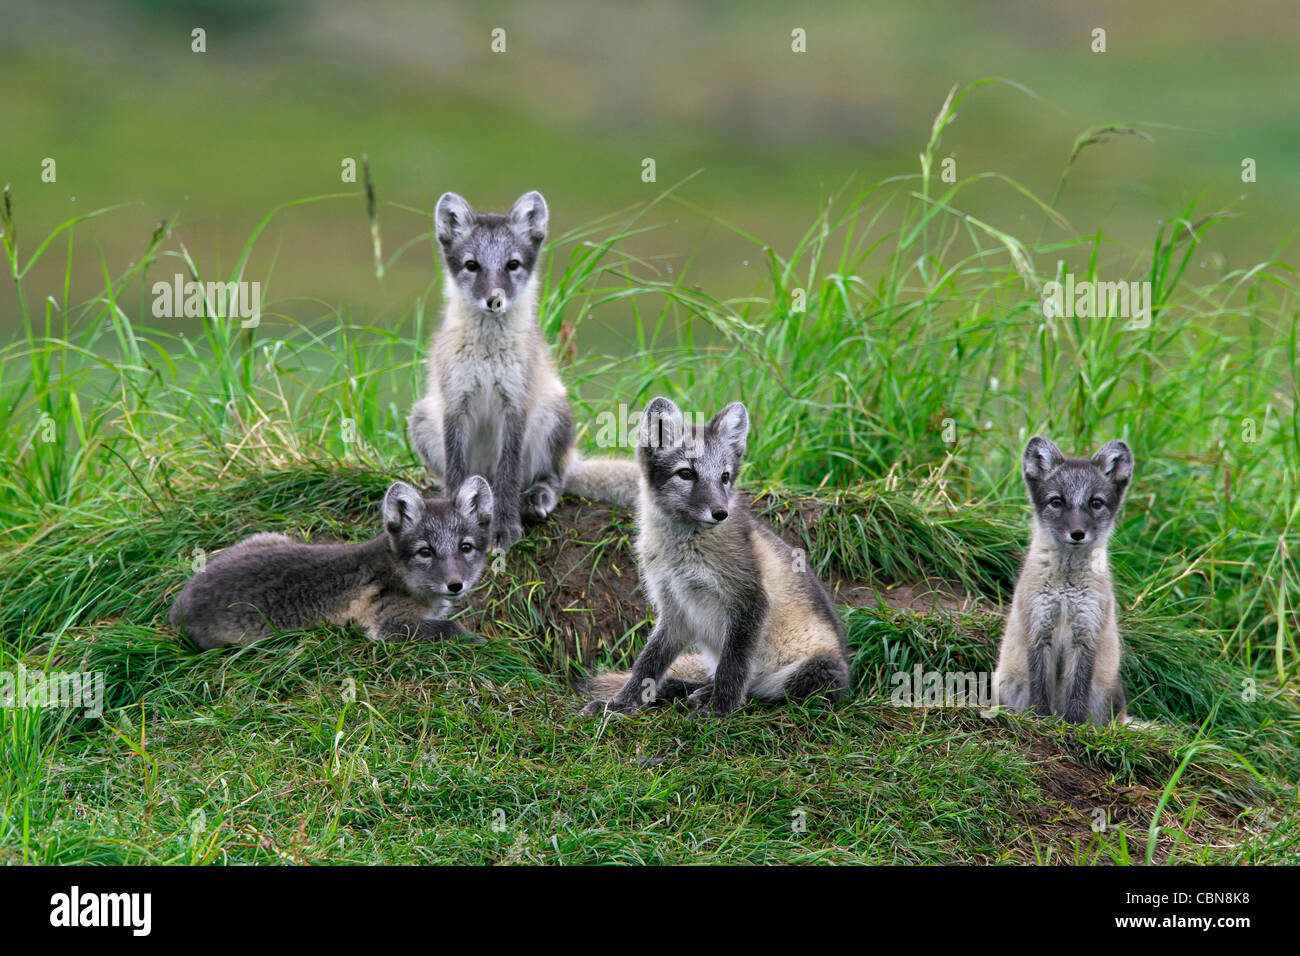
(539, 501)
(1076, 715)
(700, 696)
(704, 703)
(505, 533)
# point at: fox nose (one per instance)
(719, 514)
(496, 301)
(1078, 535)
(454, 586)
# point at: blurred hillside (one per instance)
(584, 92)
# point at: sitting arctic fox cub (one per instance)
(1060, 653)
(403, 584)
(722, 583)
(494, 404)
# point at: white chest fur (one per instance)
(487, 370)
(687, 587)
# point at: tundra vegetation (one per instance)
(894, 361)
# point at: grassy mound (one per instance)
(321, 746)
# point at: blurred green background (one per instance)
(584, 92)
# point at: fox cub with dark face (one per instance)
(494, 404)
(1061, 652)
(403, 584)
(761, 624)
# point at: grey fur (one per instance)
(1060, 652)
(402, 584)
(494, 404)
(615, 480)
(721, 582)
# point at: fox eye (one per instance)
(686, 474)
(726, 477)
(513, 264)
(1056, 501)
(425, 552)
(1097, 504)
(466, 547)
(471, 265)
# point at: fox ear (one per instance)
(1041, 456)
(732, 426)
(661, 425)
(1116, 462)
(452, 218)
(474, 500)
(403, 506)
(529, 216)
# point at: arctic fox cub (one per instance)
(720, 581)
(494, 404)
(1060, 652)
(403, 584)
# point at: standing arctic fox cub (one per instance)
(402, 584)
(763, 627)
(494, 404)
(1060, 652)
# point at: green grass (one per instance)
(889, 415)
